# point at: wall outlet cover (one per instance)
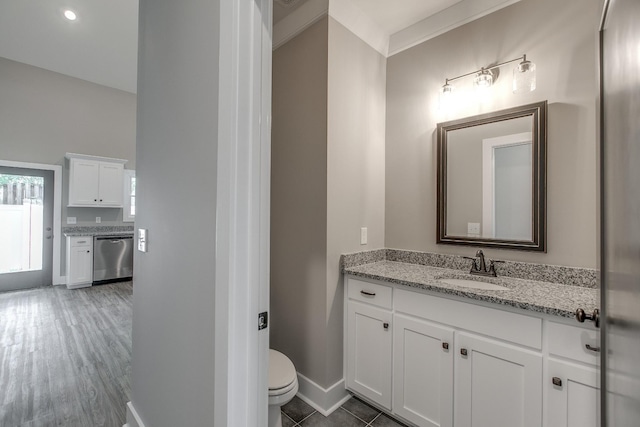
(98, 220)
(71, 220)
(363, 236)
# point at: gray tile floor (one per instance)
(354, 413)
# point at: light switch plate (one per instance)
(142, 240)
(71, 220)
(363, 236)
(98, 220)
(473, 228)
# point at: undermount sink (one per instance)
(474, 284)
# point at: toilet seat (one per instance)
(282, 374)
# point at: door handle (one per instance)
(591, 348)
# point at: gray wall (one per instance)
(177, 139)
(299, 200)
(327, 182)
(561, 38)
(356, 170)
(44, 115)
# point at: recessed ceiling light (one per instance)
(70, 15)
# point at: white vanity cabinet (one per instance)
(497, 384)
(95, 181)
(464, 364)
(573, 383)
(79, 261)
(369, 341)
(423, 355)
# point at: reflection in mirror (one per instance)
(491, 179)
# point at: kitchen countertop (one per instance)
(542, 297)
(99, 233)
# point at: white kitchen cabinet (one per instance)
(497, 384)
(368, 346)
(423, 371)
(573, 379)
(95, 181)
(79, 261)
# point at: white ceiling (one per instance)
(101, 45)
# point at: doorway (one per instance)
(26, 227)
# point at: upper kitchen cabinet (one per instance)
(95, 181)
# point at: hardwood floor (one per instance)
(65, 356)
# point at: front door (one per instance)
(26, 221)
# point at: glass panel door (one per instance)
(26, 217)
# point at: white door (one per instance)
(26, 228)
(369, 352)
(423, 372)
(573, 395)
(496, 384)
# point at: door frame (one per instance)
(56, 279)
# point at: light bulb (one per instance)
(446, 96)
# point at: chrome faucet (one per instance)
(479, 266)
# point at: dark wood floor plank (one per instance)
(65, 356)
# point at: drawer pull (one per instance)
(463, 351)
(556, 381)
(385, 325)
(81, 241)
(594, 349)
(445, 345)
(367, 293)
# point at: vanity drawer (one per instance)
(572, 341)
(371, 293)
(516, 328)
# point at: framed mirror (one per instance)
(492, 179)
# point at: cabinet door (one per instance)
(80, 265)
(496, 384)
(422, 372)
(83, 182)
(111, 184)
(575, 400)
(369, 352)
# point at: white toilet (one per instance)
(283, 385)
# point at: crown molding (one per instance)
(299, 20)
(453, 17)
(355, 20)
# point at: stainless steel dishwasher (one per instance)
(112, 258)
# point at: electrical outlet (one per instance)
(363, 235)
(98, 220)
(71, 220)
(473, 228)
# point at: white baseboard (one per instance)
(133, 419)
(323, 400)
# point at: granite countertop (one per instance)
(543, 297)
(98, 233)
(97, 230)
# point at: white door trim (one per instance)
(242, 217)
(56, 279)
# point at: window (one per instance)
(129, 205)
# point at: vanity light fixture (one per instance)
(524, 77)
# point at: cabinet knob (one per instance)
(88, 251)
(95, 200)
(556, 381)
(464, 352)
(385, 325)
(445, 345)
(100, 199)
